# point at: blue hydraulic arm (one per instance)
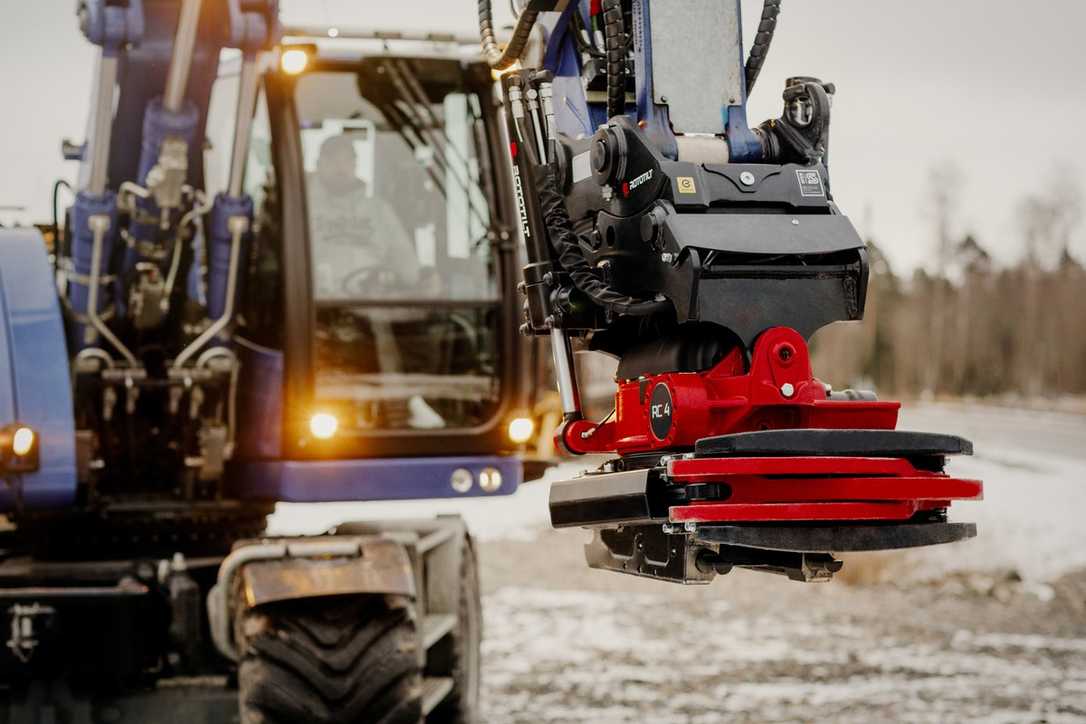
(94, 217)
(157, 186)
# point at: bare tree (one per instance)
(945, 183)
(1050, 218)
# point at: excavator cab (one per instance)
(380, 281)
(376, 313)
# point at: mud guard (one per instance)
(270, 571)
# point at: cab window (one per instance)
(403, 271)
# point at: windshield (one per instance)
(403, 269)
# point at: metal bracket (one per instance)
(24, 639)
(646, 550)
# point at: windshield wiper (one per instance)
(401, 83)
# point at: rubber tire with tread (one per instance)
(330, 660)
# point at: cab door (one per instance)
(395, 259)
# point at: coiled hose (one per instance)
(564, 241)
(497, 58)
(614, 39)
(760, 49)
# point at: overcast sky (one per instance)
(996, 86)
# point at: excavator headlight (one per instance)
(294, 60)
(323, 425)
(19, 449)
(521, 430)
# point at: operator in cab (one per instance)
(363, 249)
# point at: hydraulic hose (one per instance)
(760, 49)
(61, 249)
(614, 37)
(564, 241)
(497, 58)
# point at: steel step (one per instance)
(434, 691)
(434, 628)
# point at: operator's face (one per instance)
(336, 169)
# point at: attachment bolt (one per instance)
(747, 178)
(787, 389)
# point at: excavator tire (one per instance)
(331, 661)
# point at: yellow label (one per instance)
(686, 184)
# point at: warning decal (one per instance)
(686, 184)
(810, 183)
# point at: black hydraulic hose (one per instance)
(614, 43)
(59, 248)
(564, 241)
(760, 49)
(497, 58)
(583, 37)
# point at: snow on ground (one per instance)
(1030, 521)
(1033, 465)
(613, 659)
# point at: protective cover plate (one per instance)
(869, 443)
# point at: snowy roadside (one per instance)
(1033, 465)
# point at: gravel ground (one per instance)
(991, 630)
(565, 644)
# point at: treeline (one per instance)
(974, 328)
(981, 331)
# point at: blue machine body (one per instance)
(35, 387)
(372, 479)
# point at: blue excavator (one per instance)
(290, 274)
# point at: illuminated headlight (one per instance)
(293, 61)
(323, 425)
(19, 449)
(521, 430)
(22, 442)
(490, 480)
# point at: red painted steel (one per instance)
(778, 392)
(768, 483)
(709, 469)
(793, 512)
(797, 490)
